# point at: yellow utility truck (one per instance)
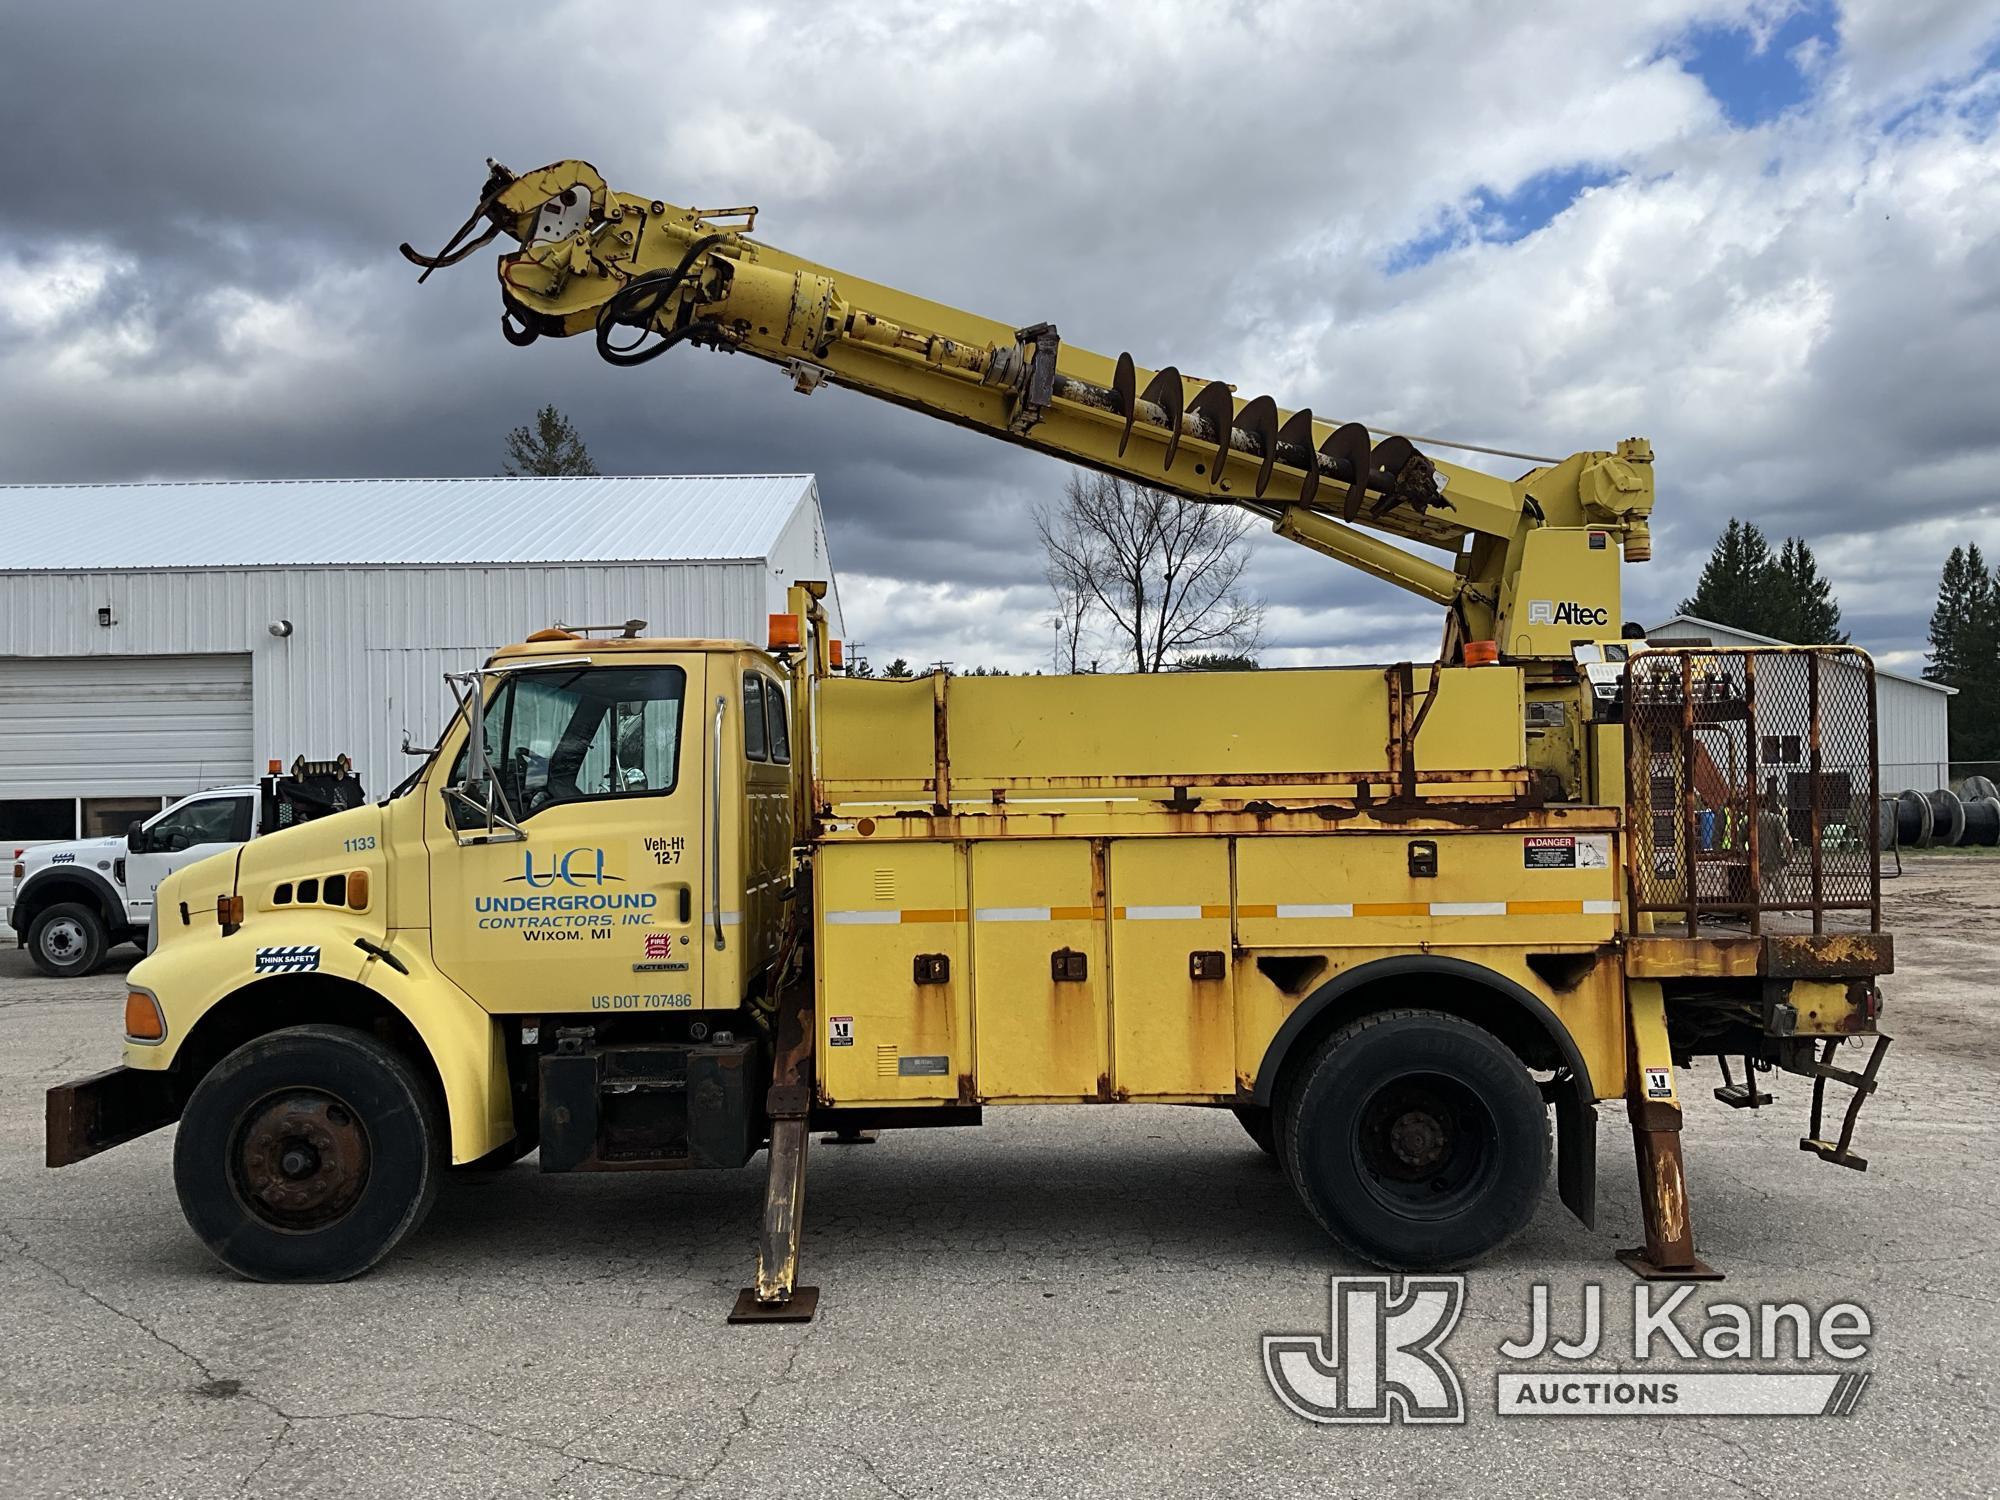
(657, 904)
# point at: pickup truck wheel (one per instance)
(68, 940)
(1417, 1140)
(307, 1155)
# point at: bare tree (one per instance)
(1161, 571)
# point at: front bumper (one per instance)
(89, 1115)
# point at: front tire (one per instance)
(308, 1155)
(1417, 1140)
(68, 940)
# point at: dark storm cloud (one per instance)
(198, 276)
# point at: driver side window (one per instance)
(215, 820)
(579, 733)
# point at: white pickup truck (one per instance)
(76, 901)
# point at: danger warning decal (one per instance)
(1566, 851)
(840, 1031)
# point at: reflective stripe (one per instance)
(1600, 908)
(1161, 913)
(861, 918)
(1327, 909)
(1468, 908)
(728, 918)
(1012, 914)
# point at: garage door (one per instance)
(108, 726)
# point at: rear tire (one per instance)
(308, 1155)
(1417, 1140)
(68, 940)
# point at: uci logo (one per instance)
(1380, 1360)
(578, 867)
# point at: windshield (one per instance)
(583, 733)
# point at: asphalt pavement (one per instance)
(1065, 1302)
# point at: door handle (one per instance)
(715, 826)
(687, 904)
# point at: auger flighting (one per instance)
(595, 261)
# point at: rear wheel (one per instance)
(68, 940)
(307, 1155)
(1417, 1139)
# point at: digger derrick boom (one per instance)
(643, 275)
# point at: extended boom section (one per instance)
(1529, 563)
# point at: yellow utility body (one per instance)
(660, 904)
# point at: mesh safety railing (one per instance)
(1752, 786)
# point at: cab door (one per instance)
(186, 832)
(596, 909)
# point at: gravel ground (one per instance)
(1066, 1302)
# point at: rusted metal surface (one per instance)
(1363, 817)
(776, 1297)
(302, 1159)
(1752, 781)
(1839, 1151)
(1797, 955)
(92, 1114)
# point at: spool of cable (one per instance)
(1982, 823)
(1947, 818)
(1980, 787)
(1913, 820)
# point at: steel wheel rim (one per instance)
(63, 940)
(299, 1160)
(1425, 1145)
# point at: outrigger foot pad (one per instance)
(1635, 1261)
(797, 1308)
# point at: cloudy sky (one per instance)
(1765, 235)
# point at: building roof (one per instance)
(1723, 635)
(318, 522)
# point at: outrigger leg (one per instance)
(1655, 1111)
(776, 1298)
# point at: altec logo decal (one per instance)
(1566, 612)
(578, 867)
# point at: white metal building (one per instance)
(158, 638)
(1910, 713)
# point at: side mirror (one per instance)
(132, 832)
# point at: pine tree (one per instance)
(1802, 608)
(1965, 653)
(1745, 586)
(550, 446)
(1735, 584)
(898, 668)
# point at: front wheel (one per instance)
(68, 940)
(1417, 1139)
(307, 1155)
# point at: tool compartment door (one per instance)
(1171, 1033)
(1038, 1036)
(885, 1037)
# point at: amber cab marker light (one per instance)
(784, 632)
(143, 1021)
(229, 910)
(357, 889)
(276, 766)
(835, 657)
(1482, 653)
